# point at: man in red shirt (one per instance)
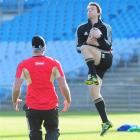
(41, 102)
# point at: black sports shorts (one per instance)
(105, 63)
(37, 117)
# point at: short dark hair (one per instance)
(38, 42)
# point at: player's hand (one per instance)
(92, 41)
(16, 105)
(66, 106)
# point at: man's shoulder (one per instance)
(26, 60)
(51, 59)
(106, 25)
(22, 63)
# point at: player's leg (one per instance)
(51, 125)
(34, 123)
(98, 100)
(105, 63)
(92, 58)
(100, 105)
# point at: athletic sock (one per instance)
(100, 105)
(91, 67)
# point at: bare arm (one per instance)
(16, 93)
(65, 92)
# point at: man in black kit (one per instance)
(94, 41)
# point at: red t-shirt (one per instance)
(40, 72)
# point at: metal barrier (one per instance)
(118, 98)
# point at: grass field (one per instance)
(73, 126)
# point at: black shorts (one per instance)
(105, 63)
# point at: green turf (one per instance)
(73, 126)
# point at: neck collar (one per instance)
(96, 24)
